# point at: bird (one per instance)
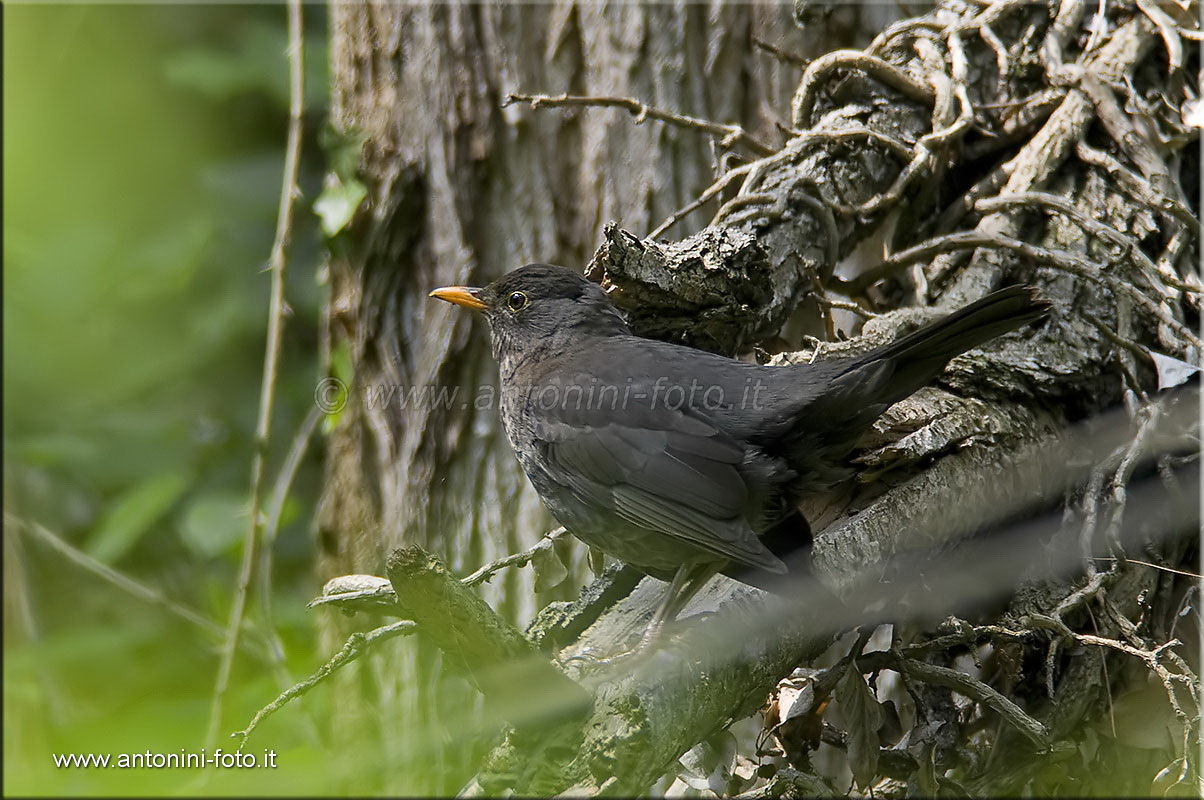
(681, 462)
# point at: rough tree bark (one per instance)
(978, 144)
(459, 190)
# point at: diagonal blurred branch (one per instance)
(357, 644)
(118, 579)
(284, 482)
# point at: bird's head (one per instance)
(538, 308)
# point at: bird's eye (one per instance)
(517, 301)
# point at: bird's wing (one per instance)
(658, 469)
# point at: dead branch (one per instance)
(730, 135)
(821, 69)
(357, 645)
(516, 680)
(515, 559)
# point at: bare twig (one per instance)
(1118, 340)
(514, 559)
(1149, 415)
(1150, 657)
(856, 132)
(277, 264)
(1167, 29)
(1002, 60)
(779, 53)
(1060, 259)
(966, 634)
(1065, 25)
(1096, 583)
(730, 135)
(357, 644)
(352, 593)
(1132, 142)
(284, 482)
(1140, 188)
(1126, 365)
(711, 191)
(1158, 567)
(751, 204)
(1168, 262)
(1092, 496)
(927, 147)
(900, 28)
(1130, 246)
(961, 683)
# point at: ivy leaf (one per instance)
(864, 717)
(337, 204)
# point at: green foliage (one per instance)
(342, 372)
(343, 192)
(214, 523)
(253, 61)
(144, 149)
(337, 204)
(132, 514)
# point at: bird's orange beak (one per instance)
(466, 296)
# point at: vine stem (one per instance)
(276, 265)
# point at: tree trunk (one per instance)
(461, 190)
(985, 135)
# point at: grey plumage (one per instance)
(668, 457)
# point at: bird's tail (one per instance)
(920, 356)
(839, 406)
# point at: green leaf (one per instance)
(337, 204)
(340, 363)
(340, 368)
(214, 522)
(863, 715)
(132, 516)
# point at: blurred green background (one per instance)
(143, 156)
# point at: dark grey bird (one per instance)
(685, 463)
